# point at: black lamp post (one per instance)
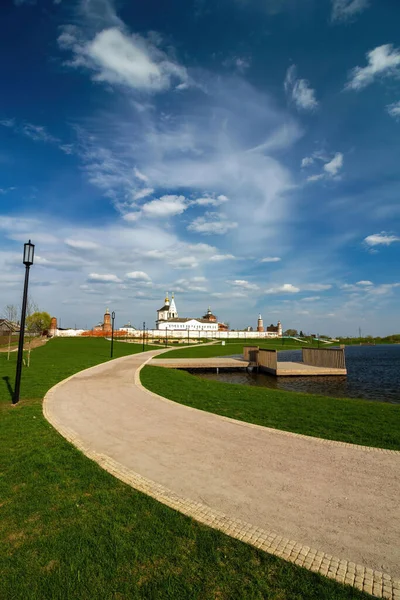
(144, 332)
(112, 332)
(29, 251)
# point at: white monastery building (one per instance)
(168, 318)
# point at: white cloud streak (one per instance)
(127, 60)
(299, 91)
(383, 61)
(394, 110)
(381, 239)
(345, 10)
(212, 224)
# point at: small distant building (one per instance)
(128, 329)
(105, 327)
(168, 318)
(7, 326)
(275, 329)
(260, 324)
(53, 327)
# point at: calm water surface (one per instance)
(373, 372)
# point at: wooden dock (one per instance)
(316, 362)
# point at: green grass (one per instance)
(70, 531)
(343, 419)
(234, 347)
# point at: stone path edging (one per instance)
(376, 583)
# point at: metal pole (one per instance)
(112, 333)
(144, 332)
(21, 339)
(166, 337)
(188, 335)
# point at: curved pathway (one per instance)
(329, 506)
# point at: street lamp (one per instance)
(29, 251)
(112, 332)
(144, 332)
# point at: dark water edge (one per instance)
(373, 373)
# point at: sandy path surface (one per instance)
(338, 498)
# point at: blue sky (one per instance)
(243, 153)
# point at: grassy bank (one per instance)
(70, 531)
(343, 419)
(234, 347)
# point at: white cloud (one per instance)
(383, 289)
(240, 63)
(299, 90)
(212, 224)
(364, 283)
(138, 276)
(381, 239)
(81, 244)
(132, 216)
(244, 284)
(316, 287)
(344, 10)
(221, 257)
(186, 262)
(270, 259)
(210, 200)
(286, 288)
(334, 166)
(131, 61)
(139, 175)
(383, 61)
(307, 162)
(317, 177)
(103, 278)
(37, 133)
(67, 148)
(164, 207)
(311, 299)
(142, 193)
(331, 168)
(394, 110)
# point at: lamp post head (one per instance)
(29, 251)
(113, 315)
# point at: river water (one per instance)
(373, 372)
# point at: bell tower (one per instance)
(107, 322)
(260, 324)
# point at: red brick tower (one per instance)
(107, 322)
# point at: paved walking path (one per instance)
(331, 507)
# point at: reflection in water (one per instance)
(373, 372)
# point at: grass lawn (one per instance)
(344, 419)
(71, 531)
(234, 347)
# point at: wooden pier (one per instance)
(316, 362)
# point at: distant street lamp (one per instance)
(112, 333)
(144, 332)
(29, 251)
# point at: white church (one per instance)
(168, 318)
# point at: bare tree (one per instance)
(11, 313)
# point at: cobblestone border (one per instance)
(376, 583)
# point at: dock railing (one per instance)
(250, 353)
(268, 360)
(331, 358)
